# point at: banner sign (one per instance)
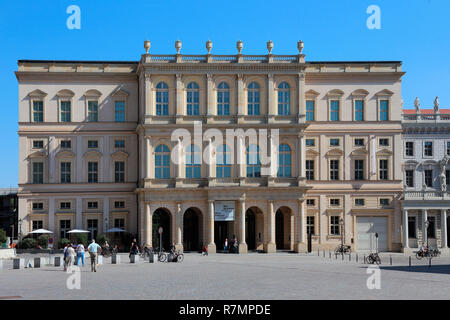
(224, 210)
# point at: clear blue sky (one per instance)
(416, 32)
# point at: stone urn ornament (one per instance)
(147, 45)
(239, 46)
(270, 46)
(178, 46)
(300, 46)
(209, 46)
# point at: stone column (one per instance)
(271, 101)
(179, 96)
(148, 226)
(179, 228)
(148, 155)
(301, 96)
(79, 173)
(211, 244)
(51, 216)
(51, 160)
(301, 161)
(270, 245)
(240, 94)
(444, 228)
(424, 229)
(179, 166)
(79, 213)
(105, 214)
(210, 95)
(149, 108)
(405, 229)
(211, 159)
(242, 244)
(300, 226)
(273, 149)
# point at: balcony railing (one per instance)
(434, 117)
(426, 195)
(173, 58)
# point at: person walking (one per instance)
(93, 251)
(225, 246)
(80, 254)
(70, 256)
(65, 256)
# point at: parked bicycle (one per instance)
(373, 258)
(430, 253)
(108, 251)
(342, 248)
(175, 256)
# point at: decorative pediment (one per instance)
(120, 93)
(335, 152)
(430, 162)
(37, 154)
(65, 93)
(311, 92)
(93, 154)
(311, 152)
(384, 152)
(360, 93)
(119, 154)
(360, 152)
(335, 92)
(93, 93)
(384, 92)
(411, 164)
(65, 154)
(37, 94)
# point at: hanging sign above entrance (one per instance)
(224, 210)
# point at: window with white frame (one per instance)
(310, 225)
(359, 110)
(284, 161)
(253, 99)
(409, 177)
(384, 110)
(334, 110)
(359, 169)
(38, 172)
(428, 148)
(253, 161)
(334, 225)
(65, 172)
(383, 169)
(162, 99)
(92, 171)
(309, 169)
(38, 111)
(334, 169)
(193, 99)
(66, 111)
(223, 99)
(119, 171)
(310, 110)
(284, 99)
(409, 148)
(223, 162)
(162, 162)
(64, 228)
(119, 111)
(92, 111)
(428, 177)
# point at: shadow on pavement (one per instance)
(438, 269)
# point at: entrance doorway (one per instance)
(191, 230)
(250, 229)
(279, 230)
(220, 233)
(161, 218)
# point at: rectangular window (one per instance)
(428, 148)
(119, 143)
(64, 227)
(38, 172)
(64, 205)
(384, 169)
(334, 142)
(412, 227)
(93, 172)
(359, 110)
(310, 110)
(310, 225)
(334, 110)
(384, 142)
(38, 206)
(92, 111)
(359, 169)
(335, 202)
(359, 202)
(384, 202)
(92, 227)
(38, 111)
(66, 144)
(38, 144)
(309, 169)
(334, 225)
(384, 110)
(119, 204)
(119, 111)
(448, 148)
(431, 230)
(334, 169)
(38, 224)
(66, 111)
(409, 148)
(310, 142)
(409, 175)
(65, 172)
(92, 144)
(119, 223)
(119, 171)
(359, 142)
(92, 205)
(429, 178)
(447, 177)
(311, 202)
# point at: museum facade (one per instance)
(272, 150)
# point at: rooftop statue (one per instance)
(436, 105)
(417, 105)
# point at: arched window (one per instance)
(223, 162)
(223, 99)
(162, 99)
(162, 162)
(253, 99)
(193, 157)
(253, 161)
(193, 98)
(284, 98)
(284, 161)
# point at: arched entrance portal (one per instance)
(161, 218)
(254, 228)
(284, 229)
(192, 229)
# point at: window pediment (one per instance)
(384, 152)
(312, 93)
(429, 163)
(120, 93)
(93, 93)
(360, 152)
(93, 154)
(65, 154)
(119, 154)
(65, 93)
(384, 92)
(37, 94)
(335, 93)
(335, 152)
(37, 154)
(311, 152)
(360, 93)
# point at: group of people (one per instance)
(71, 251)
(232, 246)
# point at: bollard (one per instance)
(356, 257)
(410, 261)
(18, 263)
(324, 253)
(37, 262)
(335, 255)
(99, 259)
(115, 259)
(342, 256)
(329, 253)
(429, 263)
(390, 260)
(1, 264)
(364, 261)
(350, 257)
(134, 258)
(153, 258)
(57, 261)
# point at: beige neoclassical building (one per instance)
(333, 139)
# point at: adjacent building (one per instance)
(9, 212)
(99, 143)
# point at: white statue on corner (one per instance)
(442, 175)
(417, 105)
(436, 105)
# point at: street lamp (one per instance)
(342, 231)
(427, 223)
(20, 229)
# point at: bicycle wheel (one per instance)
(349, 250)
(369, 259)
(419, 255)
(162, 257)
(378, 259)
(180, 257)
